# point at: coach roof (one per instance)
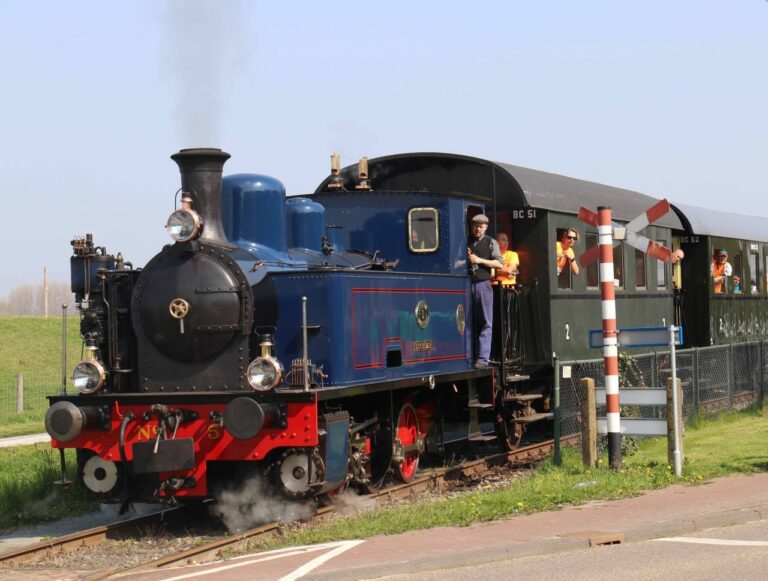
(708, 222)
(512, 185)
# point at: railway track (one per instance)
(435, 480)
(80, 539)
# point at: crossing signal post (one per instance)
(607, 231)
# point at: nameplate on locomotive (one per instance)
(421, 346)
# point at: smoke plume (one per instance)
(204, 48)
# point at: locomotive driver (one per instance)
(483, 254)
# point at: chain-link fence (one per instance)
(714, 379)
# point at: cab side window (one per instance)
(423, 230)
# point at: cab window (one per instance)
(423, 230)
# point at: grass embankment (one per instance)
(732, 444)
(32, 345)
(27, 491)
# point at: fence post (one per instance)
(588, 423)
(558, 459)
(655, 369)
(696, 396)
(671, 423)
(20, 393)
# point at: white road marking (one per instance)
(726, 542)
(316, 562)
(338, 548)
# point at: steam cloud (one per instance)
(204, 47)
(254, 503)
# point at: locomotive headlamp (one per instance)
(184, 224)
(264, 373)
(88, 376)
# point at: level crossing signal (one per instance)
(629, 233)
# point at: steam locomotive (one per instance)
(326, 340)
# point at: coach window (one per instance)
(766, 274)
(593, 280)
(423, 233)
(566, 257)
(618, 265)
(737, 282)
(661, 270)
(754, 273)
(640, 277)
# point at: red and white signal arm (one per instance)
(629, 233)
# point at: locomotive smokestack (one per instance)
(201, 171)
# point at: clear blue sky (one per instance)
(668, 98)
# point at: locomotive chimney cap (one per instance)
(213, 152)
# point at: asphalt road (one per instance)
(733, 552)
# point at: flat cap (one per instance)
(480, 219)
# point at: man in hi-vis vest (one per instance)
(720, 269)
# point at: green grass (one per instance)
(732, 444)
(27, 491)
(22, 424)
(32, 345)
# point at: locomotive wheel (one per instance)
(296, 471)
(406, 443)
(100, 478)
(509, 431)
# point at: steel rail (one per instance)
(84, 538)
(518, 457)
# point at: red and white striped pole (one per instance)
(610, 335)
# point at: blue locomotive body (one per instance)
(365, 322)
(375, 327)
